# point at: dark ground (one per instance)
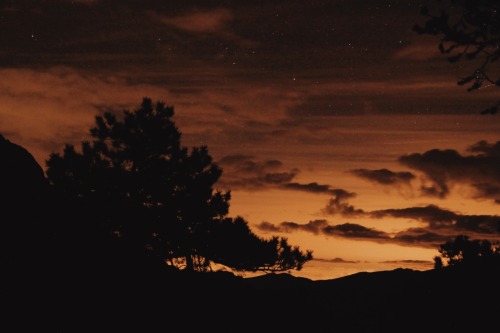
(388, 301)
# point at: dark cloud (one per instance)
(485, 149)
(337, 261)
(329, 105)
(226, 108)
(315, 226)
(431, 214)
(438, 224)
(339, 205)
(318, 188)
(363, 99)
(209, 21)
(352, 230)
(438, 218)
(444, 168)
(268, 227)
(279, 177)
(347, 230)
(408, 261)
(435, 218)
(115, 34)
(376, 97)
(255, 33)
(411, 264)
(244, 172)
(384, 176)
(256, 132)
(191, 47)
(185, 91)
(481, 224)
(488, 191)
(420, 237)
(234, 159)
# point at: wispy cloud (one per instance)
(317, 188)
(202, 21)
(419, 52)
(245, 172)
(438, 226)
(337, 260)
(431, 214)
(409, 261)
(419, 237)
(45, 109)
(353, 230)
(384, 176)
(315, 227)
(83, 1)
(439, 219)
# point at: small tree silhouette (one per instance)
(244, 251)
(135, 182)
(469, 30)
(467, 253)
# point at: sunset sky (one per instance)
(336, 125)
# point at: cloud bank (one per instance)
(480, 169)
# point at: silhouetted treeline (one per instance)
(468, 254)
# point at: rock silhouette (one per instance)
(22, 177)
(23, 194)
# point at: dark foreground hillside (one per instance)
(61, 276)
(388, 301)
